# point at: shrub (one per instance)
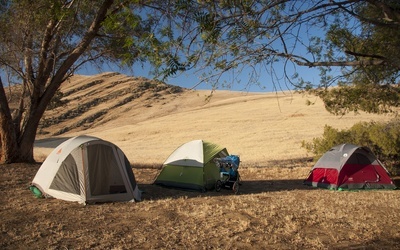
(383, 138)
(57, 101)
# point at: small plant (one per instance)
(383, 138)
(175, 89)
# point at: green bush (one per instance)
(383, 138)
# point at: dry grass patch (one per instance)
(274, 211)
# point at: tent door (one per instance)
(104, 173)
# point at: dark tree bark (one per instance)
(8, 140)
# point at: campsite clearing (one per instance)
(274, 211)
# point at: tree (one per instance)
(45, 42)
(48, 40)
(373, 84)
(360, 37)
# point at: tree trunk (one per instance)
(27, 139)
(12, 148)
(8, 139)
(26, 146)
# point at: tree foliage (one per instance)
(373, 85)
(360, 38)
(371, 98)
(44, 42)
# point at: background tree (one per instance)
(374, 42)
(43, 42)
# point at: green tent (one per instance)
(191, 166)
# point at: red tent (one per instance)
(348, 166)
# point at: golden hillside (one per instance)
(149, 119)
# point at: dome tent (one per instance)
(349, 166)
(87, 170)
(191, 166)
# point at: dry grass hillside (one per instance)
(148, 120)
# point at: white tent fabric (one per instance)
(87, 169)
(189, 154)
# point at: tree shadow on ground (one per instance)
(156, 192)
(379, 242)
(396, 181)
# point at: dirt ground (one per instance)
(273, 210)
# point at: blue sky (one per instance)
(190, 79)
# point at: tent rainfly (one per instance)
(348, 166)
(191, 166)
(87, 170)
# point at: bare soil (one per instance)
(273, 209)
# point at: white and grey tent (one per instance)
(87, 170)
